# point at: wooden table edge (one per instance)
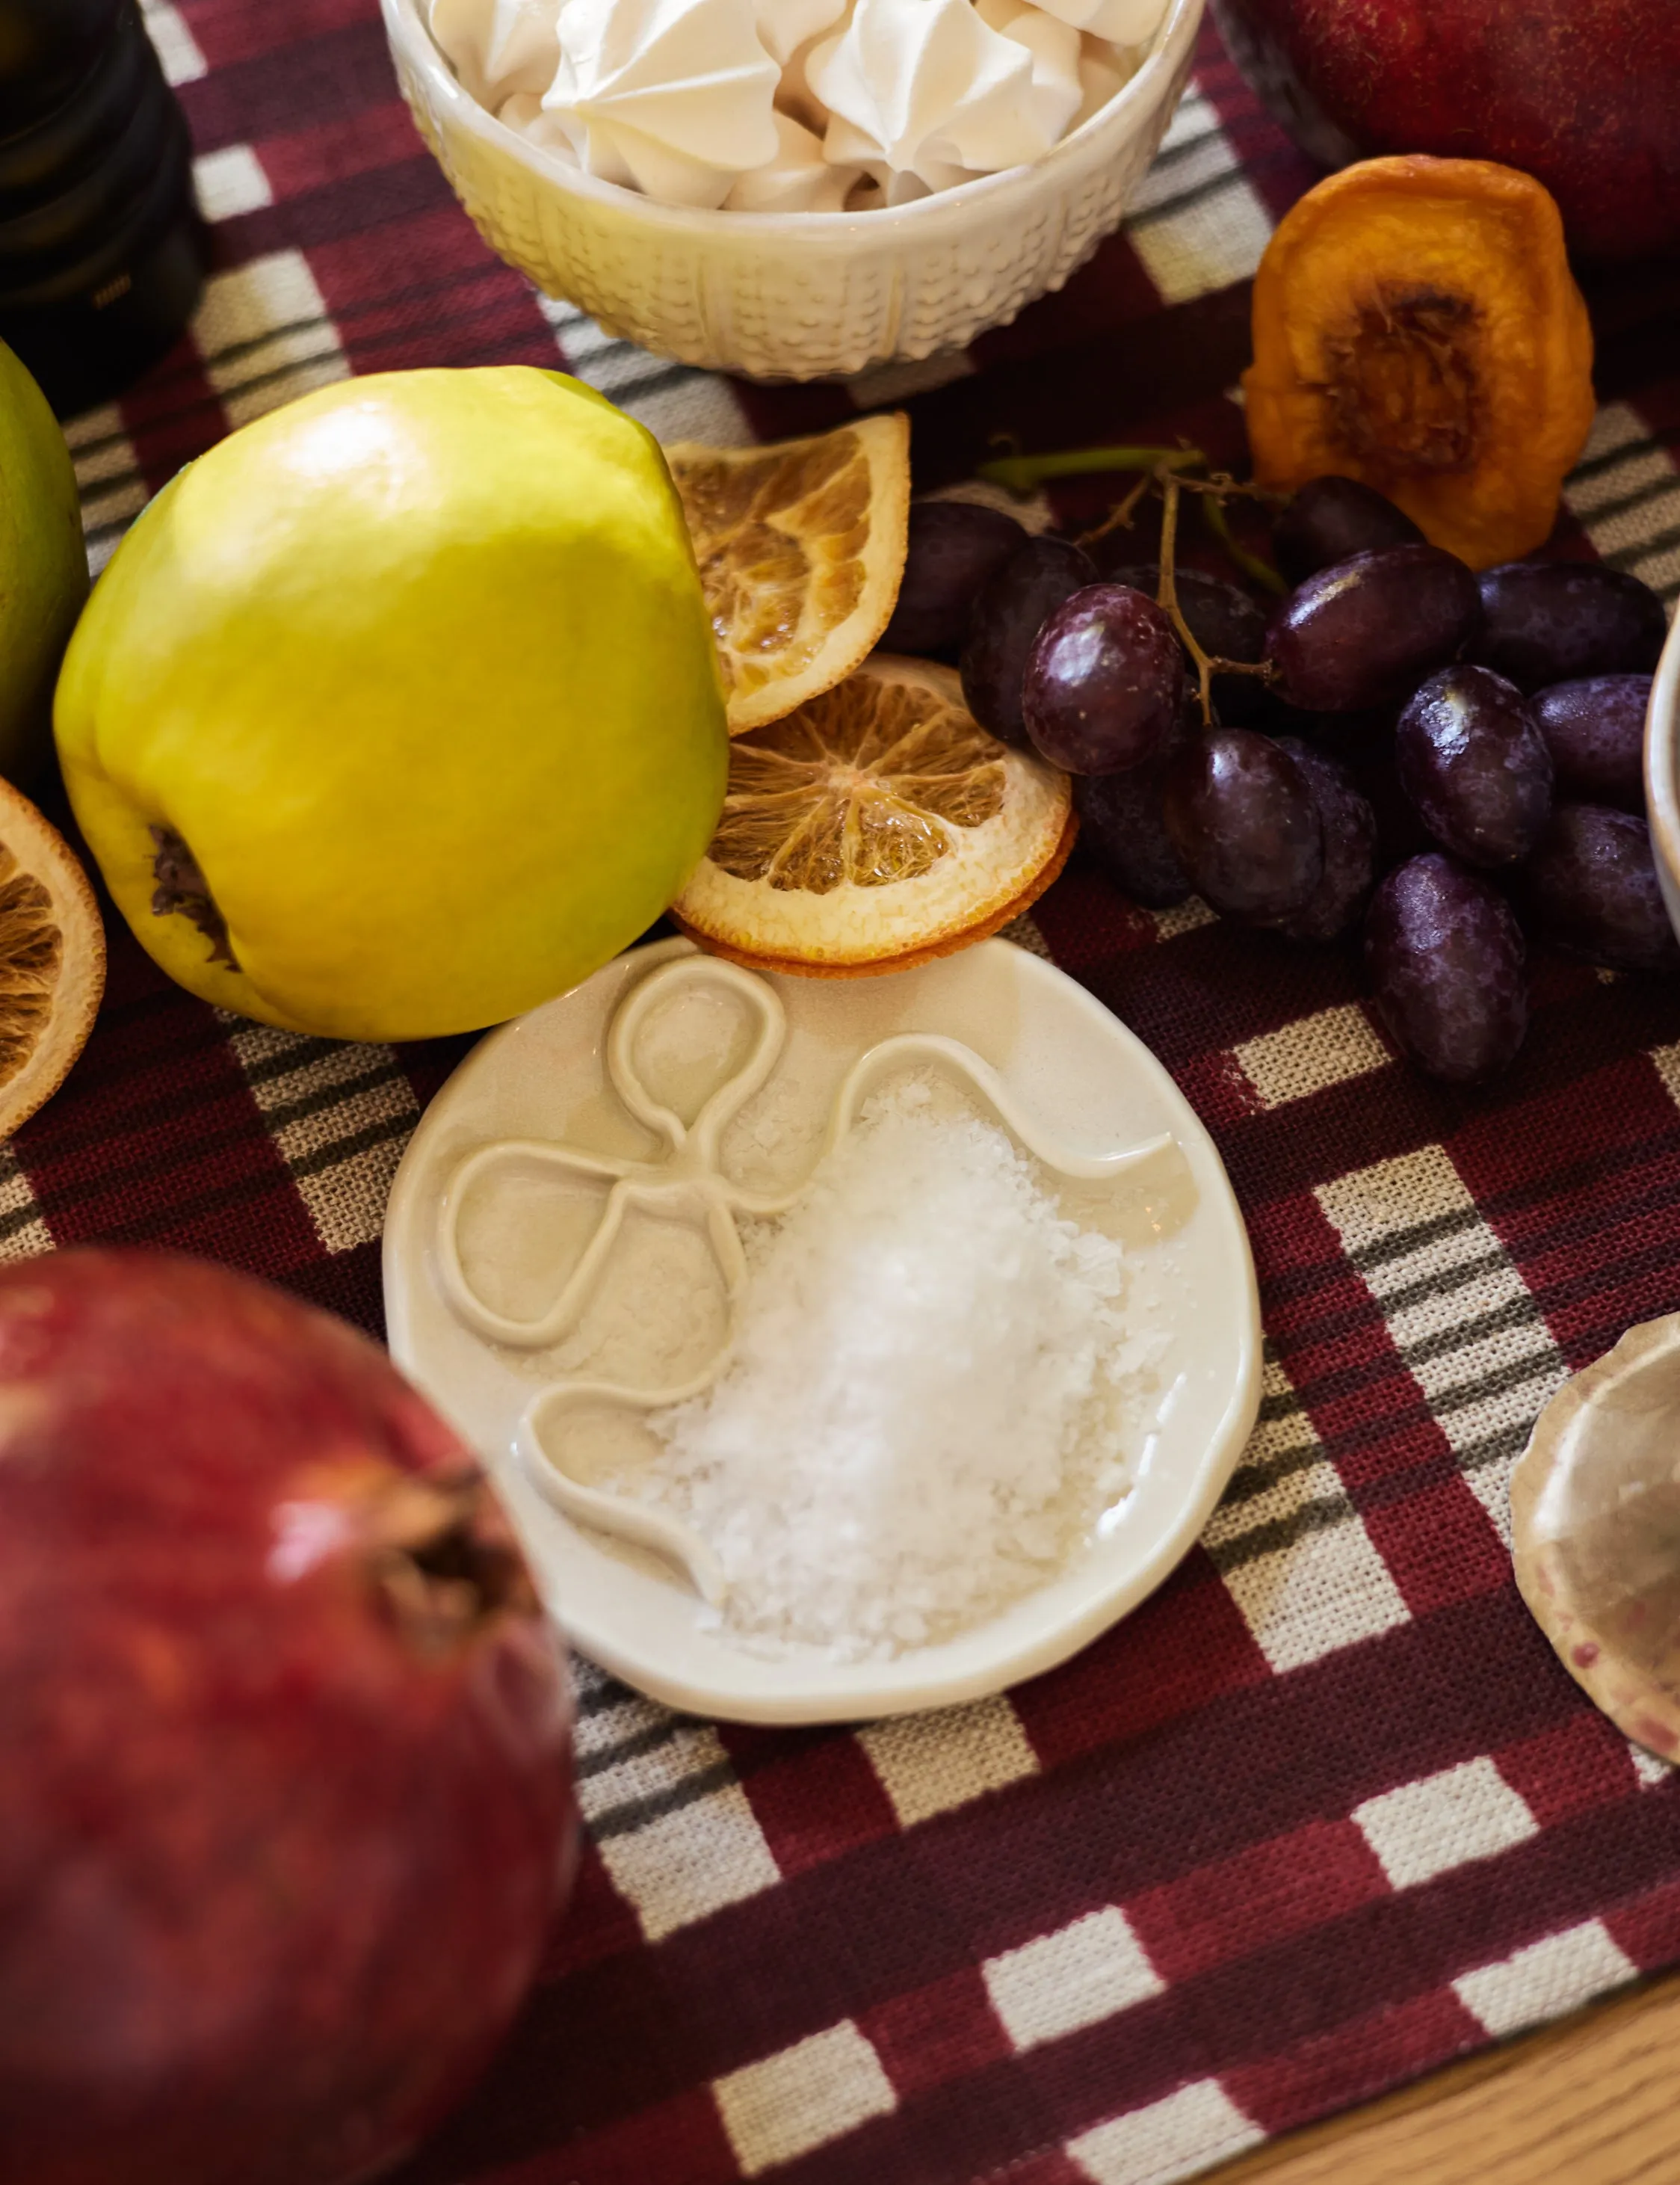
(1587, 2101)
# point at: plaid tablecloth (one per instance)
(1325, 1811)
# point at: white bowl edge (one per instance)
(1662, 772)
(794, 295)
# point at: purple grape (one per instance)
(1595, 730)
(1009, 610)
(1349, 847)
(1552, 622)
(1473, 762)
(1122, 826)
(1400, 834)
(955, 545)
(1445, 957)
(1348, 737)
(1365, 631)
(1241, 815)
(1224, 623)
(1331, 518)
(1104, 683)
(1591, 888)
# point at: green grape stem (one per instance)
(1163, 469)
(1252, 565)
(1207, 664)
(1021, 474)
(1119, 517)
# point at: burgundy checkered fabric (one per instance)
(1324, 1813)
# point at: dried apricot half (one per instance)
(1416, 326)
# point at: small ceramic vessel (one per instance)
(1595, 1514)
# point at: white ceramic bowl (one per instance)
(794, 295)
(1089, 1086)
(1662, 772)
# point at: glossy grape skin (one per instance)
(1365, 631)
(1122, 826)
(1475, 764)
(1009, 610)
(1332, 518)
(1553, 621)
(1241, 815)
(1591, 888)
(1445, 957)
(1348, 737)
(1400, 833)
(1594, 727)
(1104, 683)
(1226, 623)
(955, 545)
(1349, 847)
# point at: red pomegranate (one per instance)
(285, 1805)
(1582, 94)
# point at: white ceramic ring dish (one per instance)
(689, 1176)
(794, 295)
(558, 1120)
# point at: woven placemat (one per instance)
(1325, 1811)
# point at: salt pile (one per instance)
(929, 1400)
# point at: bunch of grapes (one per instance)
(1454, 760)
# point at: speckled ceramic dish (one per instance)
(1595, 1517)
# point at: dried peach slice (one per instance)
(1416, 327)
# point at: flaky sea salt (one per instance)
(932, 1395)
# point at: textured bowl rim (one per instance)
(1130, 109)
(1663, 779)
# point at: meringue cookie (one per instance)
(784, 26)
(1056, 50)
(523, 111)
(799, 179)
(1103, 71)
(498, 46)
(797, 96)
(1124, 22)
(923, 94)
(670, 96)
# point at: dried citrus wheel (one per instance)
(52, 959)
(876, 827)
(801, 549)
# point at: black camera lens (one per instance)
(101, 252)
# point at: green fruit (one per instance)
(43, 566)
(407, 696)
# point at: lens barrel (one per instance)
(102, 251)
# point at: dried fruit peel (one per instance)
(52, 959)
(878, 826)
(994, 922)
(801, 547)
(1416, 326)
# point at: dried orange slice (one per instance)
(52, 959)
(801, 549)
(876, 827)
